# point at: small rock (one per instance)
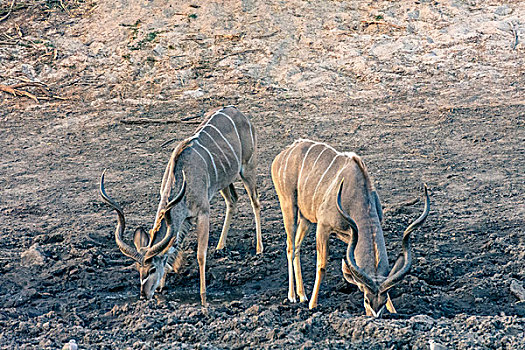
(96, 48)
(385, 51)
(194, 93)
(436, 346)
(413, 15)
(29, 71)
(517, 289)
(422, 319)
(32, 256)
(72, 345)
(159, 50)
(503, 10)
(253, 310)
(308, 345)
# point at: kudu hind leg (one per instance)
(302, 228)
(231, 198)
(249, 181)
(290, 226)
(321, 237)
(203, 232)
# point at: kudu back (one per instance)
(318, 185)
(223, 148)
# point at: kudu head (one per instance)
(150, 258)
(375, 291)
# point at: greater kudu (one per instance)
(222, 149)
(317, 184)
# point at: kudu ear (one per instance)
(389, 306)
(347, 273)
(140, 238)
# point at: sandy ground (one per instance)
(424, 91)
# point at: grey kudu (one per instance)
(317, 184)
(223, 148)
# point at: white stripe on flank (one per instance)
(249, 126)
(253, 140)
(282, 155)
(334, 181)
(286, 165)
(321, 143)
(346, 154)
(209, 120)
(229, 145)
(251, 134)
(224, 154)
(205, 125)
(321, 179)
(233, 123)
(313, 167)
(220, 149)
(204, 160)
(212, 160)
(302, 165)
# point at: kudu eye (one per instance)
(152, 271)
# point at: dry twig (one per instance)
(185, 119)
(142, 121)
(15, 90)
(515, 33)
(266, 35)
(9, 12)
(236, 54)
(383, 23)
(63, 7)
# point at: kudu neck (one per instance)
(370, 252)
(171, 183)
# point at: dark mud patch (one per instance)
(436, 99)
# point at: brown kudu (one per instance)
(223, 148)
(318, 185)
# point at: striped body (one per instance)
(306, 176)
(221, 148)
(309, 172)
(224, 142)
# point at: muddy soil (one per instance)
(426, 92)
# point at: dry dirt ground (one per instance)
(425, 91)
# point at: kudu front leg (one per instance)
(322, 235)
(289, 219)
(167, 270)
(302, 229)
(230, 197)
(203, 232)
